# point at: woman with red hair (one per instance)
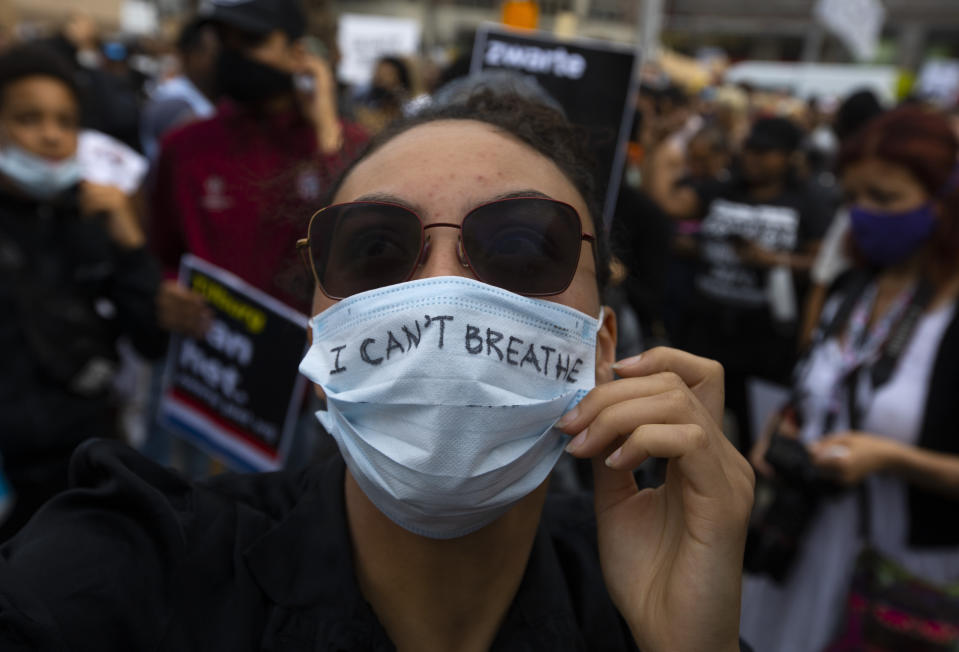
(874, 400)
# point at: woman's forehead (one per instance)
(878, 170)
(458, 162)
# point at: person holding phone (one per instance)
(225, 185)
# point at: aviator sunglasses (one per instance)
(526, 245)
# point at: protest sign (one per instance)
(236, 392)
(363, 39)
(594, 82)
(107, 161)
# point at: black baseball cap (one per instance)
(780, 134)
(257, 16)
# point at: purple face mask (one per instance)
(887, 239)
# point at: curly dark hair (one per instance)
(538, 126)
(35, 60)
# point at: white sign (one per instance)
(857, 23)
(363, 39)
(139, 17)
(108, 162)
(939, 81)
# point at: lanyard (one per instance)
(879, 347)
(861, 345)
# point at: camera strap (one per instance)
(890, 352)
(891, 348)
(888, 340)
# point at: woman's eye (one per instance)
(517, 242)
(27, 119)
(68, 122)
(373, 245)
(882, 197)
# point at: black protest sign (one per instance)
(594, 82)
(236, 391)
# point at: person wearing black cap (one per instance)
(226, 188)
(759, 236)
(269, 149)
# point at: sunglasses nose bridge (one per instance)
(461, 251)
(436, 260)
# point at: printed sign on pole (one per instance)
(594, 82)
(363, 39)
(236, 392)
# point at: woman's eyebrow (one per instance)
(386, 198)
(514, 194)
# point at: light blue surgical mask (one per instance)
(38, 177)
(442, 394)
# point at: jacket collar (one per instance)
(306, 561)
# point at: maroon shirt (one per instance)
(238, 190)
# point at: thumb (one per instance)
(610, 487)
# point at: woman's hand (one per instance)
(672, 556)
(121, 218)
(853, 455)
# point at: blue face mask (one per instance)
(442, 394)
(887, 239)
(38, 177)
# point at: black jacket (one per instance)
(67, 293)
(135, 558)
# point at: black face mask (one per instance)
(248, 81)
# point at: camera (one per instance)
(784, 507)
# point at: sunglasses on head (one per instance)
(526, 245)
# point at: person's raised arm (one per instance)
(672, 556)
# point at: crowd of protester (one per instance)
(789, 240)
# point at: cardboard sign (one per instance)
(594, 82)
(236, 392)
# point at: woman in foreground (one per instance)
(443, 383)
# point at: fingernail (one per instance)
(628, 362)
(577, 442)
(612, 459)
(567, 418)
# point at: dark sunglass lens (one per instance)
(527, 245)
(362, 246)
